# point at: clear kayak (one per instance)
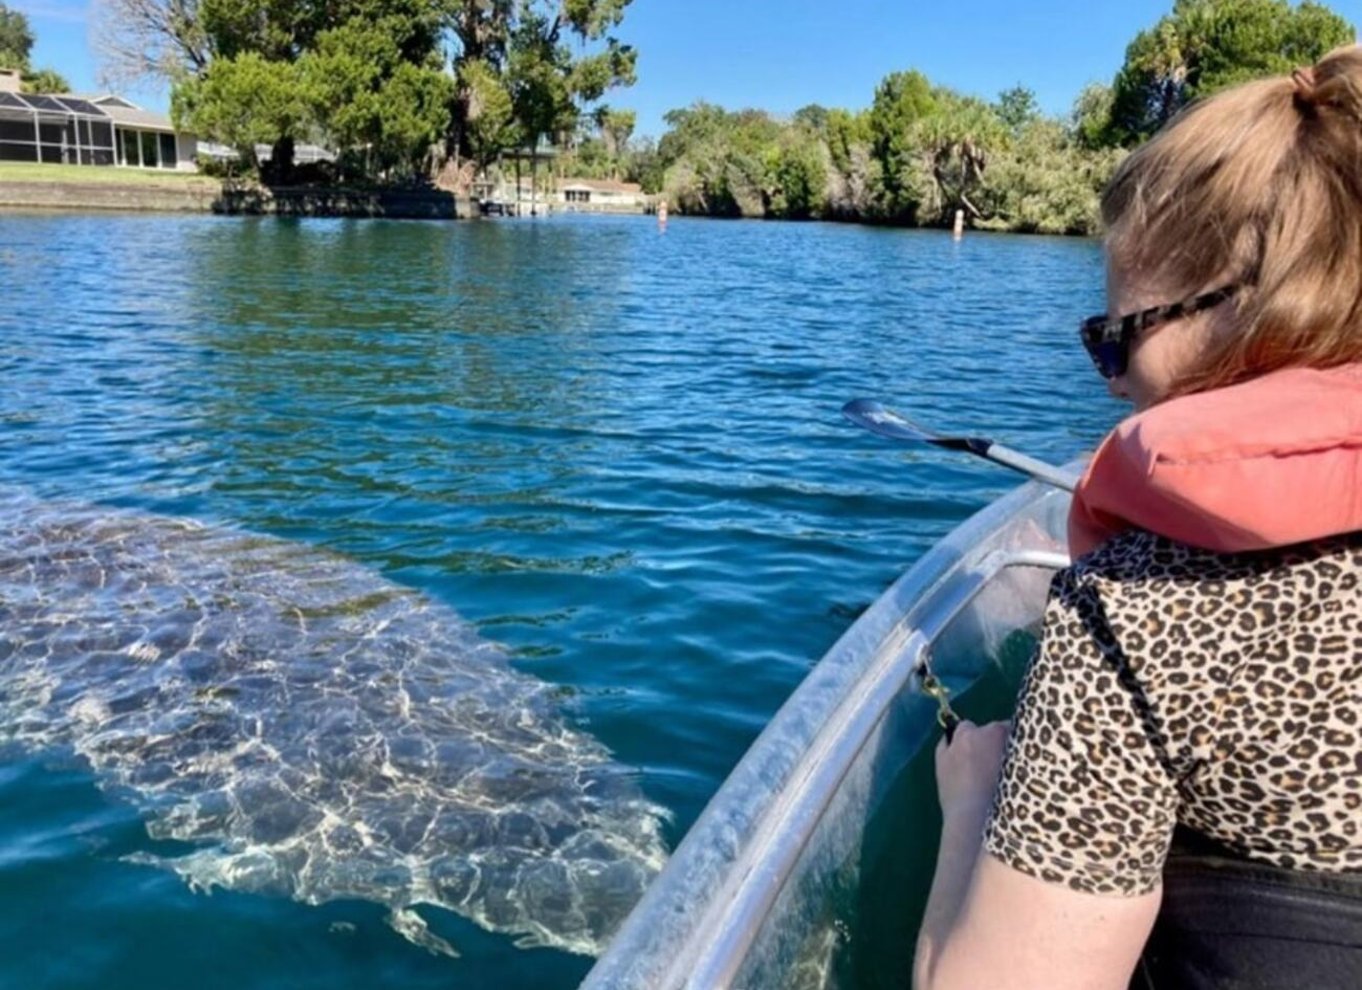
(825, 831)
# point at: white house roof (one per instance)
(600, 186)
(109, 100)
(303, 153)
(146, 120)
(116, 108)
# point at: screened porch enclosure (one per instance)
(54, 130)
(101, 130)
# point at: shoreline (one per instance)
(150, 193)
(200, 195)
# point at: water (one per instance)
(616, 452)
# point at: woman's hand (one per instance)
(967, 768)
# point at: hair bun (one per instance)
(1307, 88)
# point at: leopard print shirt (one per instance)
(1174, 685)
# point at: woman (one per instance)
(1200, 671)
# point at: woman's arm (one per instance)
(1014, 932)
(990, 925)
(966, 773)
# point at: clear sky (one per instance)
(782, 54)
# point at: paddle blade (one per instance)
(871, 415)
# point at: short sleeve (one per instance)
(1086, 798)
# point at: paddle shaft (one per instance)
(1042, 472)
(880, 419)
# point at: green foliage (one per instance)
(1206, 45)
(797, 176)
(813, 118)
(373, 79)
(844, 132)
(590, 159)
(718, 162)
(1090, 119)
(616, 126)
(245, 101)
(601, 148)
(554, 58)
(918, 154)
(366, 94)
(922, 152)
(1045, 182)
(16, 47)
(902, 101)
(1016, 108)
(45, 81)
(16, 39)
(488, 125)
(955, 143)
(413, 116)
(932, 145)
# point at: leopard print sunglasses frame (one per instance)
(1108, 338)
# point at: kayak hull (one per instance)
(755, 896)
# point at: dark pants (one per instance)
(1231, 924)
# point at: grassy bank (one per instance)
(86, 175)
(26, 186)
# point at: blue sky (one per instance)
(782, 54)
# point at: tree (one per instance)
(16, 39)
(367, 92)
(365, 76)
(813, 117)
(16, 49)
(45, 81)
(616, 126)
(956, 140)
(844, 132)
(720, 163)
(1090, 118)
(521, 69)
(645, 166)
(245, 101)
(414, 116)
(1017, 107)
(1204, 46)
(554, 57)
(137, 40)
(797, 176)
(933, 146)
(489, 125)
(1044, 181)
(902, 101)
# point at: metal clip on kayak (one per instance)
(932, 687)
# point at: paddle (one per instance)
(871, 415)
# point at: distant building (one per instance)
(601, 194)
(101, 130)
(303, 154)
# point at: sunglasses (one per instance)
(1108, 338)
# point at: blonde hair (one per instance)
(1260, 185)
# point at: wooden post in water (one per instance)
(959, 224)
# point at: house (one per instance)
(601, 194)
(303, 154)
(147, 139)
(99, 130)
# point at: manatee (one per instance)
(312, 729)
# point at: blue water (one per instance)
(616, 451)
